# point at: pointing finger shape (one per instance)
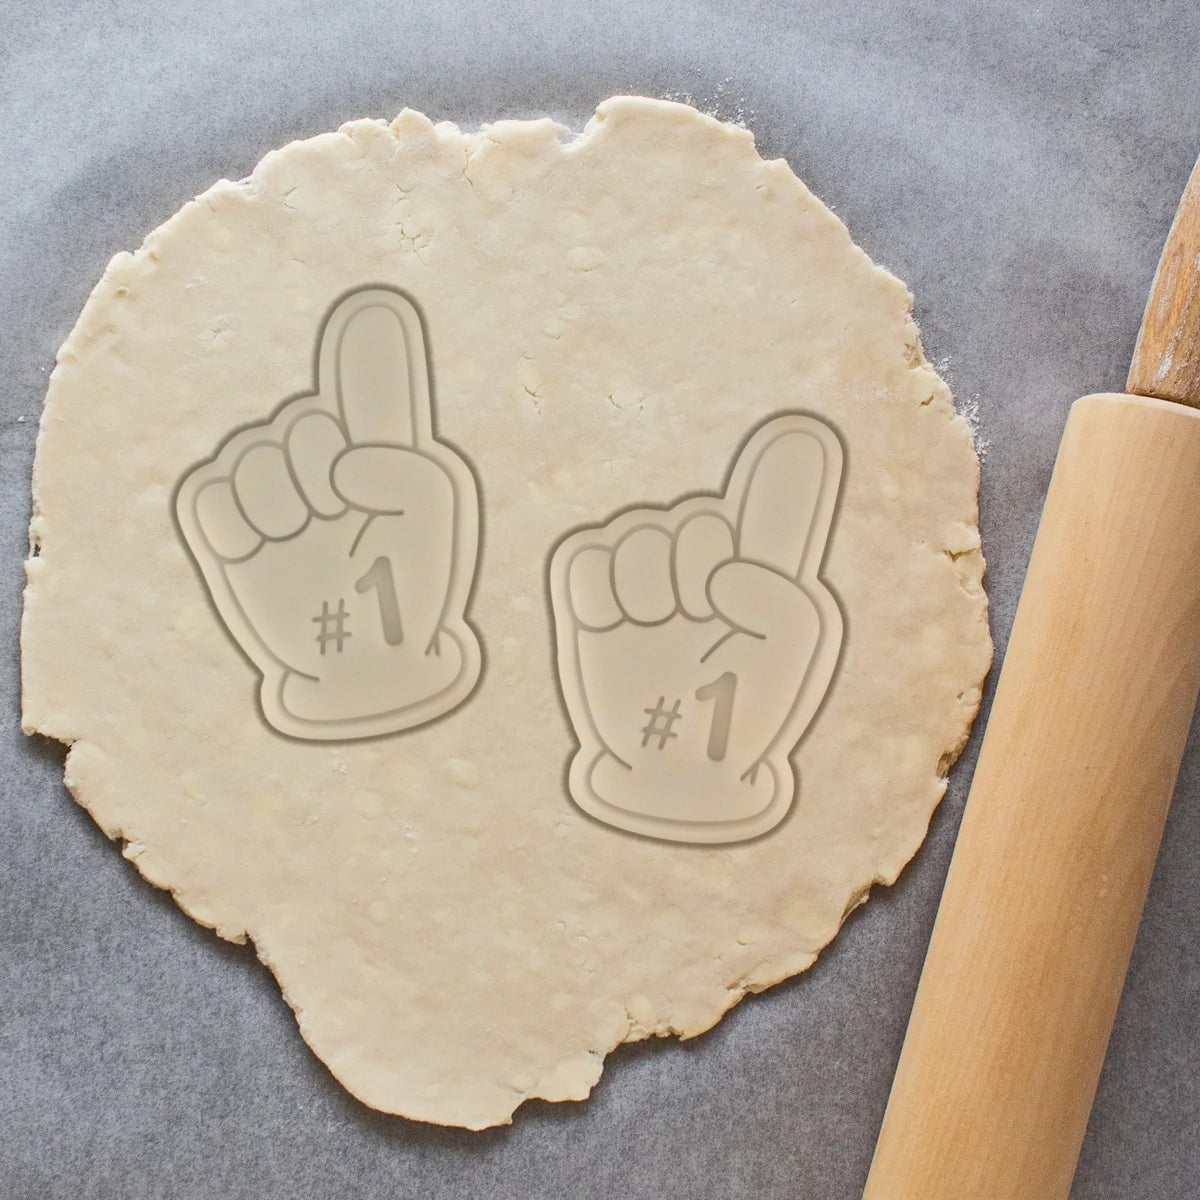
(373, 356)
(266, 493)
(788, 474)
(702, 543)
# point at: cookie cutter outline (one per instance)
(813, 689)
(468, 520)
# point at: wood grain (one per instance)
(1166, 360)
(1050, 872)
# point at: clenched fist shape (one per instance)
(695, 644)
(338, 541)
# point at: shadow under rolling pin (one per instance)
(1053, 862)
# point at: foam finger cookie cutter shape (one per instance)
(338, 541)
(696, 643)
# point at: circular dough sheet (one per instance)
(610, 317)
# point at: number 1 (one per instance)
(721, 692)
(380, 578)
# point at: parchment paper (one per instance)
(1016, 163)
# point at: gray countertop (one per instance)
(1016, 163)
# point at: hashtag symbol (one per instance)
(335, 619)
(661, 720)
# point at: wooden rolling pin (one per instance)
(1050, 873)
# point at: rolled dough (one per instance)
(609, 316)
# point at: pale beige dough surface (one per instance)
(609, 318)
